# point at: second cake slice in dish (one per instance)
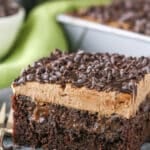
(83, 101)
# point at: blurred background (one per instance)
(29, 4)
(29, 30)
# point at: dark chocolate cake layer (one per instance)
(125, 14)
(102, 72)
(57, 127)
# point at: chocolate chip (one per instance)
(30, 77)
(80, 81)
(69, 64)
(62, 68)
(82, 67)
(77, 58)
(127, 16)
(53, 78)
(146, 108)
(122, 72)
(89, 69)
(115, 118)
(58, 74)
(145, 61)
(80, 52)
(125, 88)
(146, 69)
(41, 120)
(40, 70)
(45, 76)
(21, 80)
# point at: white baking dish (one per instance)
(9, 28)
(89, 36)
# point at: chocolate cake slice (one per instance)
(81, 101)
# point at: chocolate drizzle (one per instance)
(100, 71)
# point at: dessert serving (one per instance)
(130, 15)
(83, 101)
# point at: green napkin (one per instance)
(40, 35)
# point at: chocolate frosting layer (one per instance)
(99, 71)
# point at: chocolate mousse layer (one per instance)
(69, 101)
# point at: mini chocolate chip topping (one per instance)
(125, 14)
(100, 71)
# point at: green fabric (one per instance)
(40, 35)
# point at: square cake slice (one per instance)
(81, 101)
